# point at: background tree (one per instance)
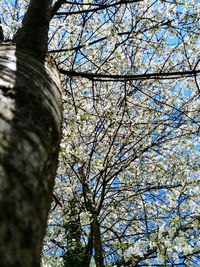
(129, 152)
(129, 160)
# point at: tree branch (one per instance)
(33, 35)
(56, 6)
(117, 77)
(100, 7)
(1, 33)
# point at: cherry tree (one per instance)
(126, 191)
(129, 161)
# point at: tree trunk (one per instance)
(30, 120)
(97, 242)
(74, 255)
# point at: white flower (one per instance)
(161, 230)
(187, 249)
(69, 192)
(129, 253)
(85, 217)
(171, 231)
(161, 258)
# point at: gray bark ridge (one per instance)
(30, 129)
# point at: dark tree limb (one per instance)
(33, 35)
(56, 6)
(117, 77)
(100, 7)
(1, 34)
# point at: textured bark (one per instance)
(33, 35)
(30, 118)
(97, 242)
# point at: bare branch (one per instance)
(100, 7)
(117, 77)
